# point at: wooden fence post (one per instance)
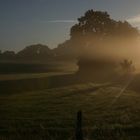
(79, 132)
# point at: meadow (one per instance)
(50, 113)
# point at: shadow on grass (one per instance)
(33, 84)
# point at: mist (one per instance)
(112, 49)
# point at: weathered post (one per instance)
(79, 132)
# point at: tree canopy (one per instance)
(35, 51)
(98, 23)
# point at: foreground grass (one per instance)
(51, 113)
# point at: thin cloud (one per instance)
(135, 20)
(62, 21)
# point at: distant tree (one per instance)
(127, 66)
(8, 53)
(65, 51)
(0, 54)
(35, 52)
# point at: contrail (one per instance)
(62, 21)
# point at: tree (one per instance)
(98, 23)
(35, 52)
(127, 66)
(8, 54)
(97, 28)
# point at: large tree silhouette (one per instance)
(98, 23)
(94, 29)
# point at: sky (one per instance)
(26, 22)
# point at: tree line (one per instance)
(93, 26)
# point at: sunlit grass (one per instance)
(55, 110)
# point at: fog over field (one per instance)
(69, 70)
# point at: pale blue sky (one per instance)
(25, 22)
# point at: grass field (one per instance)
(51, 113)
(17, 83)
(7, 77)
